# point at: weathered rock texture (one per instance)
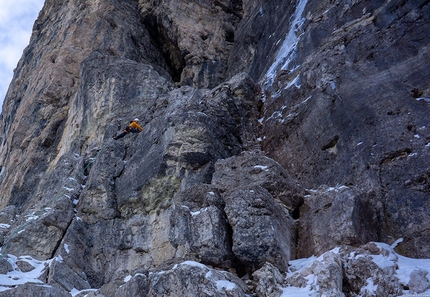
(272, 130)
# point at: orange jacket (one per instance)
(134, 127)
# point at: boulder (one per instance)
(419, 281)
(41, 233)
(263, 230)
(190, 278)
(268, 281)
(366, 275)
(134, 286)
(199, 227)
(332, 216)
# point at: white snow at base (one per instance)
(407, 265)
(404, 267)
(296, 292)
(17, 277)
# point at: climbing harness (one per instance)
(38, 213)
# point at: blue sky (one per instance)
(16, 22)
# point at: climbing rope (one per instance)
(38, 213)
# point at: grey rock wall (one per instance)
(272, 131)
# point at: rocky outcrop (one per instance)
(281, 141)
(195, 39)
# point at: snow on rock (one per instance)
(370, 287)
(76, 292)
(373, 269)
(224, 284)
(288, 49)
(261, 167)
(66, 248)
(423, 98)
(18, 276)
(191, 278)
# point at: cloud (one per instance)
(16, 22)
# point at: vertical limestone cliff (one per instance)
(273, 131)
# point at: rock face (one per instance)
(328, 210)
(273, 130)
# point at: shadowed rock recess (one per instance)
(273, 131)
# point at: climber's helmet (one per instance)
(136, 120)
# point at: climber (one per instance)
(133, 127)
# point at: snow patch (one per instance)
(66, 248)
(17, 277)
(296, 292)
(195, 213)
(295, 82)
(423, 98)
(261, 167)
(59, 259)
(396, 243)
(225, 284)
(194, 264)
(404, 267)
(127, 278)
(75, 292)
(208, 275)
(407, 265)
(370, 287)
